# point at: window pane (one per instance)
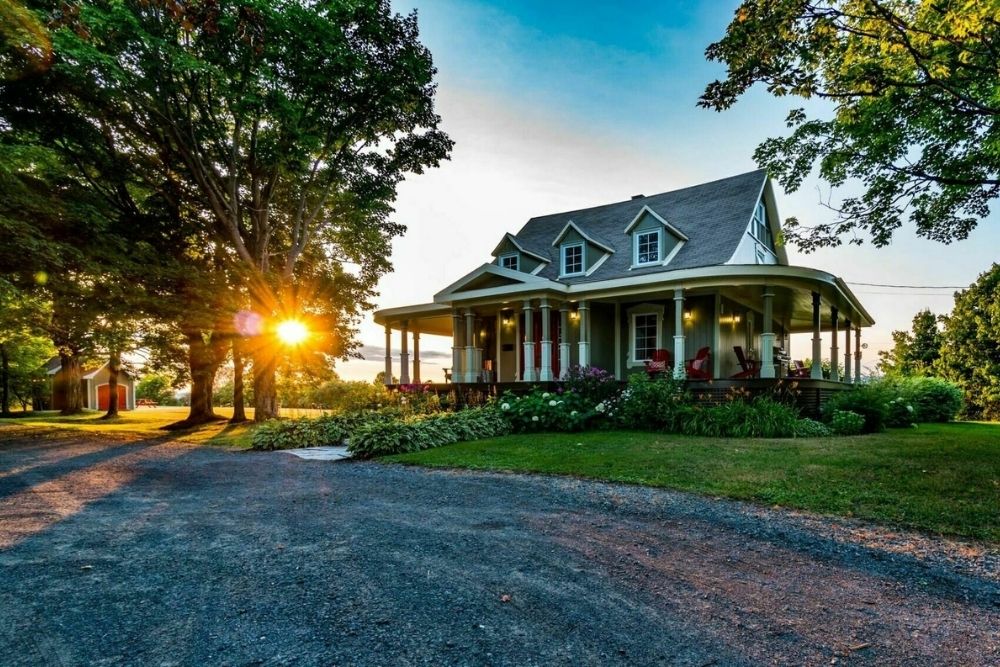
(647, 247)
(645, 336)
(573, 259)
(509, 262)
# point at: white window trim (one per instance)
(517, 261)
(562, 259)
(643, 309)
(635, 247)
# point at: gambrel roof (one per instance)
(713, 216)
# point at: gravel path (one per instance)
(115, 551)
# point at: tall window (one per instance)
(509, 262)
(760, 227)
(647, 247)
(644, 326)
(572, 259)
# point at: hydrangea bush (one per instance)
(541, 410)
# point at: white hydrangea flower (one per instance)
(535, 418)
(909, 408)
(545, 395)
(573, 414)
(505, 406)
(553, 404)
(600, 407)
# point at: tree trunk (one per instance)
(70, 383)
(203, 365)
(239, 412)
(114, 367)
(265, 389)
(4, 381)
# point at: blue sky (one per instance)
(560, 105)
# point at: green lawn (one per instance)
(144, 421)
(941, 478)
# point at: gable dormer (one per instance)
(653, 240)
(580, 253)
(512, 255)
(759, 244)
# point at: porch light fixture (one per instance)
(688, 315)
(574, 315)
(506, 319)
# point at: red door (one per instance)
(103, 391)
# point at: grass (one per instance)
(942, 478)
(145, 421)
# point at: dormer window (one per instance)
(510, 261)
(647, 247)
(761, 230)
(572, 259)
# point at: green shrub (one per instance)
(871, 401)
(285, 434)
(933, 399)
(658, 404)
(810, 428)
(761, 418)
(548, 411)
(328, 430)
(411, 434)
(900, 413)
(845, 422)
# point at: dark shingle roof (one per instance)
(714, 217)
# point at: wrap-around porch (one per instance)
(737, 327)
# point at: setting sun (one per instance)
(292, 332)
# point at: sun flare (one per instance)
(292, 332)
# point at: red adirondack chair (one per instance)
(751, 367)
(661, 362)
(700, 367)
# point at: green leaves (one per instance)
(916, 117)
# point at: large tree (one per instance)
(288, 125)
(915, 93)
(970, 350)
(916, 351)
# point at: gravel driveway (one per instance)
(120, 551)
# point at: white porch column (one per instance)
(857, 354)
(563, 340)
(471, 372)
(529, 343)
(545, 374)
(584, 347)
(767, 337)
(416, 357)
(847, 352)
(834, 350)
(404, 356)
(387, 380)
(679, 370)
(456, 347)
(816, 372)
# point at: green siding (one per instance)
(591, 253)
(526, 263)
(602, 336)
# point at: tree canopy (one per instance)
(915, 91)
(914, 352)
(970, 350)
(254, 147)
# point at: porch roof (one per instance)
(796, 283)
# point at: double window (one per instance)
(509, 262)
(572, 259)
(647, 247)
